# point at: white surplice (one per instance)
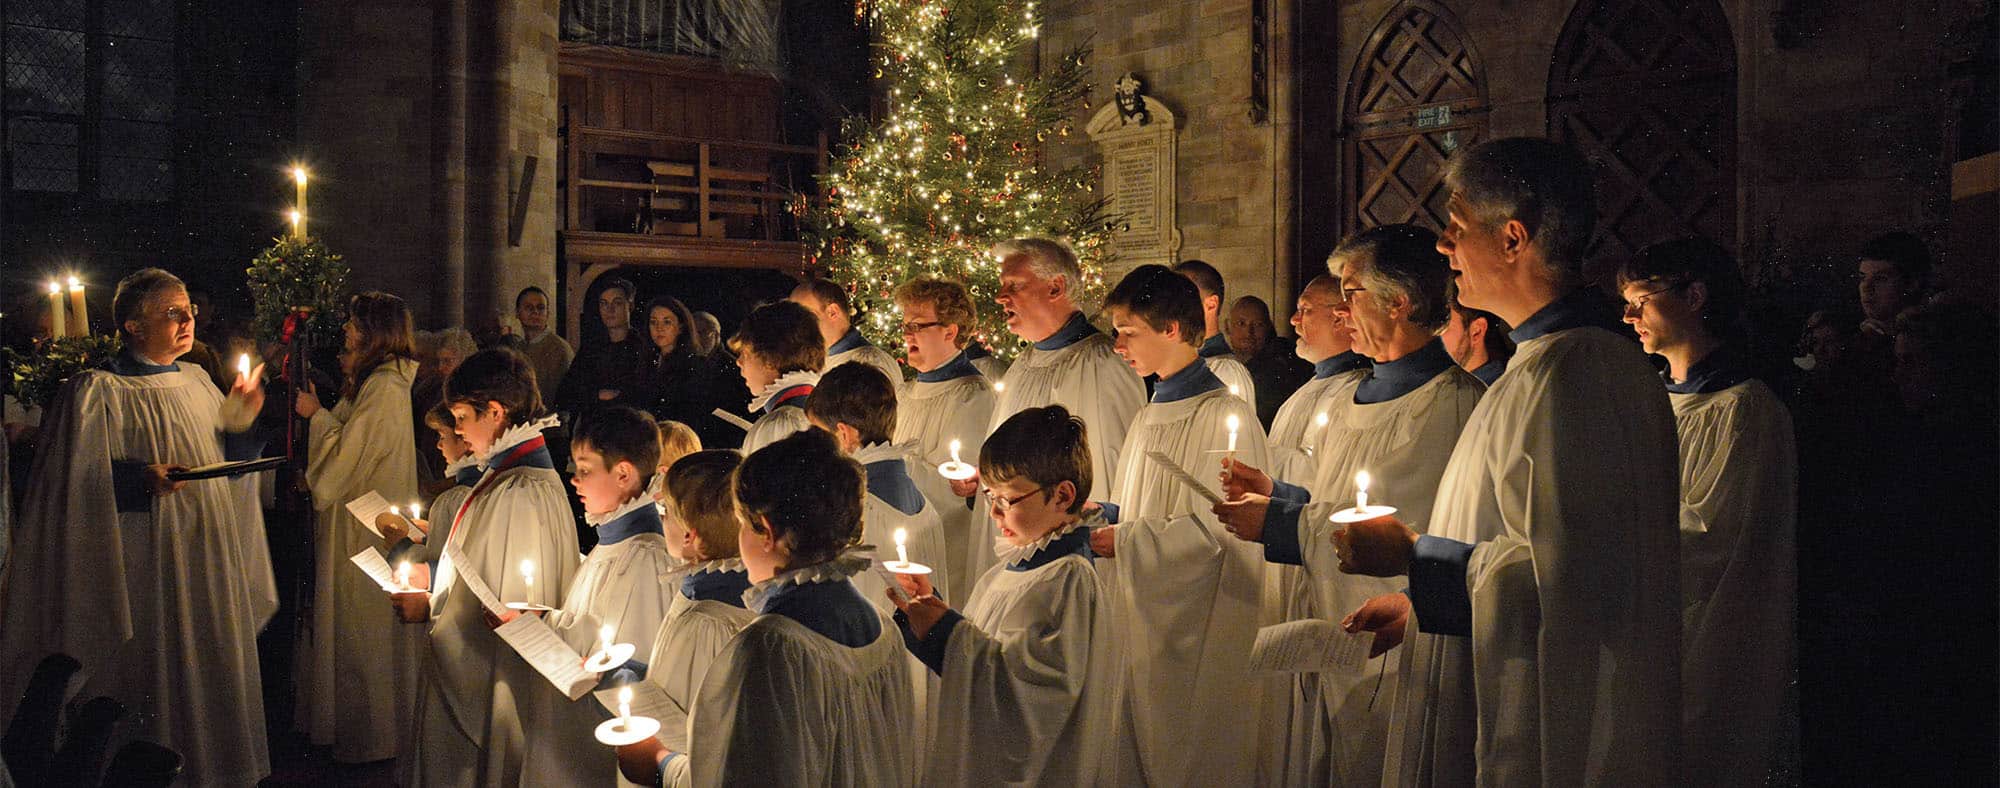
(1089, 379)
(1234, 376)
(780, 422)
(693, 635)
(929, 416)
(358, 664)
(872, 356)
(925, 542)
(1023, 700)
(784, 705)
(1739, 487)
(1403, 444)
(1566, 478)
(161, 606)
(991, 366)
(472, 685)
(1185, 604)
(1295, 431)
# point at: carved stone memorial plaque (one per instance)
(1135, 140)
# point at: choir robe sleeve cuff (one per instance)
(128, 486)
(1281, 532)
(1437, 586)
(1110, 512)
(930, 648)
(1285, 490)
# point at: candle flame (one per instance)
(1232, 422)
(1361, 481)
(243, 364)
(394, 509)
(625, 694)
(606, 632)
(299, 175)
(55, 287)
(954, 450)
(416, 511)
(528, 569)
(295, 215)
(901, 537)
(74, 283)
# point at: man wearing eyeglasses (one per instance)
(950, 401)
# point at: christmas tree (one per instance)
(955, 166)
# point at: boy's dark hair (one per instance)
(699, 486)
(1162, 298)
(784, 335)
(827, 292)
(524, 294)
(859, 396)
(1206, 279)
(1685, 261)
(808, 490)
(439, 417)
(620, 434)
(500, 375)
(1903, 250)
(1046, 446)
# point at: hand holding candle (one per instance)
(957, 470)
(626, 728)
(1362, 510)
(902, 565)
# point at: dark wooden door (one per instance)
(1416, 96)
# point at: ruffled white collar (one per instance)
(849, 563)
(517, 435)
(877, 452)
(623, 509)
(1010, 553)
(684, 569)
(785, 381)
(452, 468)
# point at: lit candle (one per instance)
(58, 314)
(416, 511)
(624, 708)
(957, 470)
(1361, 490)
(528, 573)
(1234, 391)
(999, 386)
(81, 318)
(604, 634)
(954, 451)
(1232, 423)
(902, 550)
(299, 225)
(242, 368)
(403, 575)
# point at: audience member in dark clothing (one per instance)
(685, 386)
(1274, 367)
(609, 370)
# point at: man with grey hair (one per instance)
(1068, 361)
(1550, 573)
(707, 333)
(1399, 423)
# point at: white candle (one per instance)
(1361, 490)
(403, 574)
(299, 215)
(902, 551)
(395, 510)
(242, 367)
(604, 634)
(954, 450)
(1232, 423)
(416, 511)
(298, 224)
(78, 306)
(528, 573)
(624, 708)
(58, 314)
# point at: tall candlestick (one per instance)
(298, 224)
(79, 308)
(58, 314)
(299, 177)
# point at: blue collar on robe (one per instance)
(1336, 364)
(890, 481)
(726, 587)
(850, 341)
(1073, 331)
(130, 364)
(1490, 371)
(834, 611)
(1214, 346)
(1076, 542)
(1574, 310)
(960, 366)
(1195, 380)
(976, 351)
(539, 458)
(1719, 370)
(1402, 376)
(643, 520)
(779, 400)
(469, 475)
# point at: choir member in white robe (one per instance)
(1068, 361)
(992, 366)
(1022, 699)
(816, 689)
(360, 446)
(949, 402)
(1552, 541)
(157, 587)
(779, 354)
(1326, 342)
(471, 686)
(844, 343)
(461, 468)
(1214, 348)
(1399, 424)
(1185, 599)
(1738, 510)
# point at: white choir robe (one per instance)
(161, 606)
(1185, 604)
(358, 665)
(618, 585)
(472, 686)
(1403, 444)
(784, 705)
(1235, 376)
(1739, 477)
(872, 356)
(1089, 379)
(1295, 432)
(693, 635)
(1023, 699)
(776, 423)
(929, 416)
(883, 510)
(1566, 480)
(991, 366)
